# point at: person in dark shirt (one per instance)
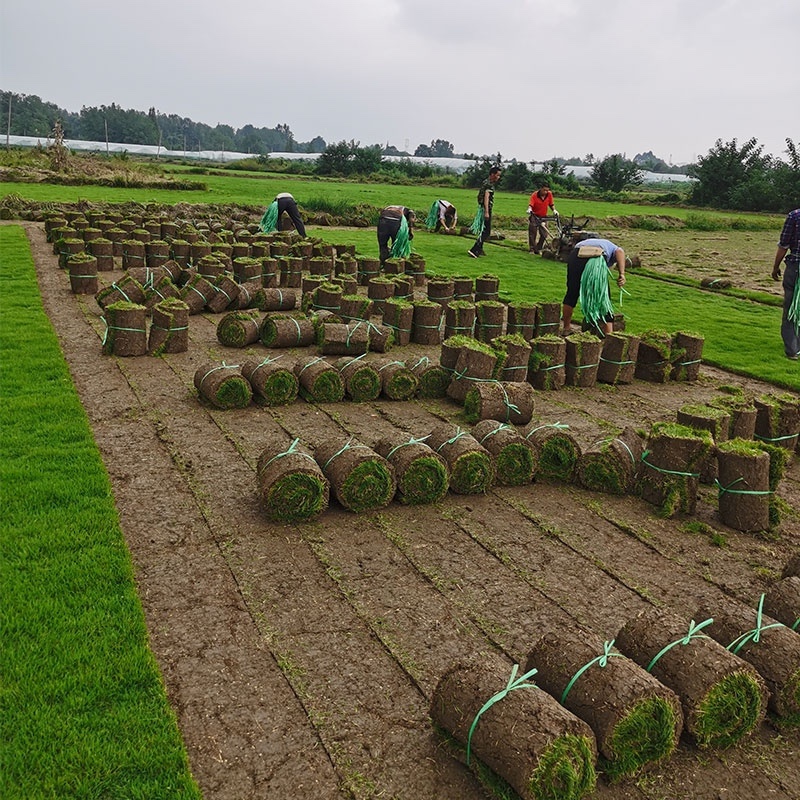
(394, 224)
(789, 252)
(283, 202)
(483, 219)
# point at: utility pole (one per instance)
(105, 125)
(8, 129)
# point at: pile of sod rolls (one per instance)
(361, 479)
(223, 385)
(766, 644)
(422, 475)
(538, 747)
(513, 459)
(470, 463)
(292, 485)
(635, 718)
(723, 697)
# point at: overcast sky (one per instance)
(527, 78)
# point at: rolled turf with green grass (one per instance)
(556, 448)
(223, 385)
(533, 744)
(273, 381)
(635, 718)
(422, 475)
(514, 460)
(362, 382)
(470, 463)
(361, 479)
(239, 328)
(292, 485)
(723, 698)
(320, 382)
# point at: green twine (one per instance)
(777, 438)
(692, 633)
(593, 297)
(513, 683)
(292, 450)
(667, 471)
(793, 313)
(478, 223)
(727, 489)
(401, 246)
(459, 434)
(347, 446)
(601, 661)
(754, 635)
(412, 440)
(433, 216)
(269, 222)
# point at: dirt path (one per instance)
(301, 659)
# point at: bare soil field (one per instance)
(301, 659)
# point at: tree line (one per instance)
(729, 176)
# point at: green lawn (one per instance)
(84, 712)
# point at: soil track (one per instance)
(300, 660)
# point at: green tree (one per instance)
(722, 173)
(614, 173)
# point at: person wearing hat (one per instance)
(394, 224)
(541, 201)
(282, 202)
(482, 225)
(442, 215)
(789, 252)
(587, 269)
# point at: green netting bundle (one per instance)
(269, 222)
(401, 246)
(422, 475)
(223, 385)
(361, 479)
(292, 485)
(594, 298)
(433, 216)
(478, 222)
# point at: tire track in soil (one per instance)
(364, 612)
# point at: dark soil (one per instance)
(301, 660)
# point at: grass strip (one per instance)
(84, 712)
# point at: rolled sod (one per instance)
(362, 382)
(82, 273)
(381, 338)
(223, 385)
(433, 378)
(164, 289)
(273, 384)
(441, 291)
(670, 470)
(582, 359)
(398, 382)
(653, 358)
(500, 400)
(546, 366)
(514, 461)
(778, 420)
(226, 290)
(336, 339)
(611, 465)
(379, 290)
(548, 319)
(239, 328)
(636, 720)
(517, 353)
(196, 293)
(486, 288)
(459, 318)
(543, 751)
(355, 307)
(361, 479)
(422, 475)
(275, 299)
(744, 485)
(782, 601)
(426, 326)
(398, 314)
(283, 330)
(126, 329)
(293, 487)
(126, 289)
(742, 413)
(490, 320)
(320, 382)
(521, 319)
(618, 358)
(169, 332)
(476, 362)
(766, 644)
(556, 449)
(686, 355)
(723, 698)
(470, 463)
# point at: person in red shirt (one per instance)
(541, 201)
